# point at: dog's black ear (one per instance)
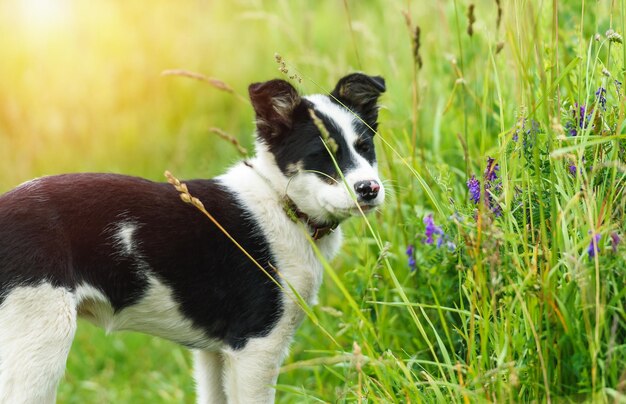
(274, 102)
(360, 93)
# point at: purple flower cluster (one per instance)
(410, 252)
(492, 185)
(572, 168)
(615, 239)
(433, 235)
(473, 185)
(528, 132)
(592, 250)
(581, 115)
(491, 170)
(432, 231)
(601, 96)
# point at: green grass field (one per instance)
(495, 272)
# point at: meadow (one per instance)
(496, 270)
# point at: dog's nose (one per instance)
(367, 190)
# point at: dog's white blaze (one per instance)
(342, 117)
(345, 120)
(39, 323)
(123, 237)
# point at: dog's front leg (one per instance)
(251, 372)
(209, 375)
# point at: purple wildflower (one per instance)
(528, 131)
(572, 169)
(491, 170)
(601, 96)
(615, 239)
(492, 184)
(410, 252)
(593, 245)
(495, 207)
(581, 119)
(571, 130)
(432, 230)
(474, 189)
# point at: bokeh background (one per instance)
(81, 86)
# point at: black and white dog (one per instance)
(127, 254)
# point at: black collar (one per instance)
(318, 230)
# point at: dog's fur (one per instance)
(128, 254)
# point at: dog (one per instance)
(127, 254)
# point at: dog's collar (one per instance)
(318, 230)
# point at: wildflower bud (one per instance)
(597, 37)
(606, 72)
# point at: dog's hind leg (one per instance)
(209, 375)
(37, 326)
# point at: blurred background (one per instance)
(81, 86)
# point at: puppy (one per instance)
(127, 254)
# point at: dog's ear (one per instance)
(274, 102)
(360, 93)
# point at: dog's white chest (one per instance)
(298, 265)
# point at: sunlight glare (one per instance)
(45, 15)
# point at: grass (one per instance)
(524, 299)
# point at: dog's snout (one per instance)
(367, 190)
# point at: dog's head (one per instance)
(307, 159)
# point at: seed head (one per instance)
(416, 47)
(282, 67)
(471, 20)
(328, 141)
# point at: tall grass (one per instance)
(515, 295)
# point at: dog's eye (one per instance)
(362, 147)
